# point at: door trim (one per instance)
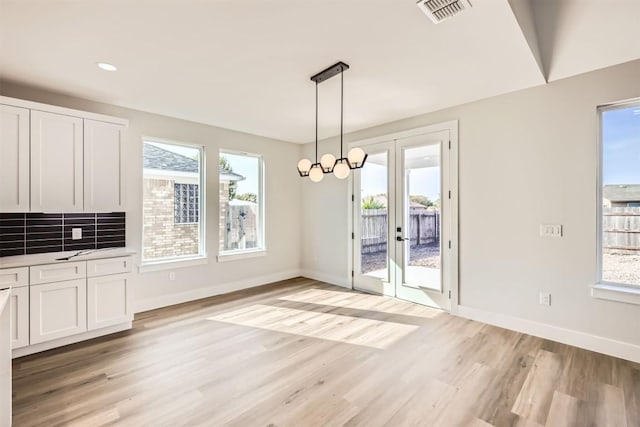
(452, 127)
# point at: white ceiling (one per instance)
(245, 65)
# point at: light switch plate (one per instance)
(550, 230)
(545, 298)
(76, 234)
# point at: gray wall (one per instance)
(526, 158)
(282, 200)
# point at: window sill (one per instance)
(234, 256)
(172, 263)
(613, 292)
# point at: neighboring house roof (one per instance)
(158, 158)
(622, 193)
(161, 159)
(230, 176)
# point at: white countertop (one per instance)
(51, 258)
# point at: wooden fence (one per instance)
(621, 229)
(424, 228)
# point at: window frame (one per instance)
(147, 265)
(621, 292)
(261, 249)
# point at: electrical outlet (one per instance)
(76, 234)
(550, 230)
(545, 298)
(172, 275)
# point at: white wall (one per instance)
(283, 211)
(526, 158)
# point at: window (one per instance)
(172, 196)
(619, 207)
(186, 203)
(241, 203)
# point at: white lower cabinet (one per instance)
(108, 299)
(19, 303)
(52, 303)
(57, 310)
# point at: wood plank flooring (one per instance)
(302, 353)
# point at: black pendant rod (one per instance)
(316, 122)
(341, 110)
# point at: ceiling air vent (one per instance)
(439, 10)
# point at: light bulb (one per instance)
(341, 170)
(316, 174)
(327, 161)
(304, 165)
(356, 156)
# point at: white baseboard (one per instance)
(595, 343)
(195, 294)
(327, 278)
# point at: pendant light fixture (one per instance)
(328, 163)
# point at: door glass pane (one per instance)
(373, 217)
(422, 216)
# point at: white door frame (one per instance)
(452, 128)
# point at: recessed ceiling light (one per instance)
(636, 112)
(106, 66)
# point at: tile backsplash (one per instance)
(34, 233)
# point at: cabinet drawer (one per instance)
(58, 272)
(14, 277)
(104, 267)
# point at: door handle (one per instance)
(401, 239)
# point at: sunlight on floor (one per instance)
(346, 329)
(362, 302)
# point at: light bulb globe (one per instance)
(327, 161)
(341, 170)
(356, 156)
(304, 165)
(316, 174)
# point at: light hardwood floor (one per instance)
(301, 353)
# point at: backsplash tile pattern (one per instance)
(12, 234)
(33, 233)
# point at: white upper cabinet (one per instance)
(103, 167)
(56, 162)
(14, 159)
(55, 159)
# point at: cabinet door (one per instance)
(57, 310)
(19, 303)
(109, 300)
(56, 163)
(103, 168)
(14, 159)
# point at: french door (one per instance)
(405, 217)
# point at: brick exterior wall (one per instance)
(162, 238)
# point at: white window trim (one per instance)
(242, 254)
(620, 292)
(172, 263)
(191, 260)
(261, 250)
